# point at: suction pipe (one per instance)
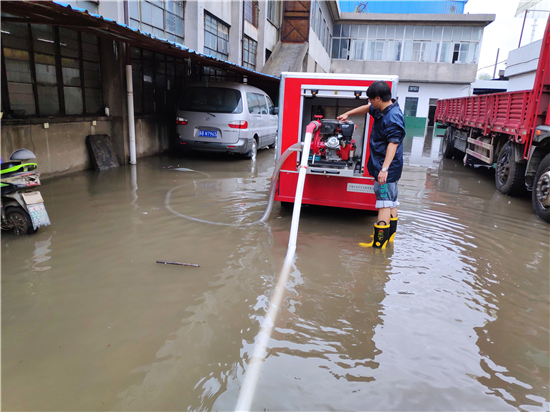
(253, 373)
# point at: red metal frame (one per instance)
(321, 190)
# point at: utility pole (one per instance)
(496, 62)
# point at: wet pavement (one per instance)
(454, 316)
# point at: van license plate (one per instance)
(208, 133)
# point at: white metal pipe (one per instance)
(252, 375)
(131, 121)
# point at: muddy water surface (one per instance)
(454, 316)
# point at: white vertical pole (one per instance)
(131, 121)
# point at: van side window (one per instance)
(253, 103)
(262, 104)
(270, 105)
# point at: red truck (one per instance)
(508, 131)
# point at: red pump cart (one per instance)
(337, 174)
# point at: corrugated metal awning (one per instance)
(60, 14)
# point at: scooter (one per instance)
(22, 208)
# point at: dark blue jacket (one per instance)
(388, 127)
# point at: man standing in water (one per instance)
(386, 158)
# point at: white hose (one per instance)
(255, 365)
(294, 148)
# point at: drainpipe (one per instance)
(130, 92)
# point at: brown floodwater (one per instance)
(454, 316)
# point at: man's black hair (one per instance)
(379, 89)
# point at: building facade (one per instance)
(64, 66)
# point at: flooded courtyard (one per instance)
(453, 316)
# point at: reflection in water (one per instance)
(453, 316)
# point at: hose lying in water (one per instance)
(294, 148)
(260, 349)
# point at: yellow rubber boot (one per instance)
(381, 236)
(393, 228)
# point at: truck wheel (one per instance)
(509, 175)
(541, 190)
(21, 221)
(449, 150)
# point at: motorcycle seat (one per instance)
(7, 165)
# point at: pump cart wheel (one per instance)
(541, 190)
(449, 150)
(510, 175)
(21, 221)
(252, 152)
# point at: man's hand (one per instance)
(343, 116)
(382, 177)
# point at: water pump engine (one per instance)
(333, 145)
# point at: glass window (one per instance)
(134, 9)
(381, 33)
(272, 11)
(411, 104)
(212, 99)
(447, 33)
(476, 33)
(438, 30)
(218, 34)
(344, 47)
(363, 31)
(395, 50)
(357, 50)
(445, 56)
(390, 32)
(418, 32)
(434, 52)
(466, 33)
(375, 50)
(262, 103)
(373, 30)
(409, 32)
(428, 33)
(345, 30)
(48, 100)
(249, 53)
(354, 31)
(399, 32)
(472, 53)
(335, 48)
(43, 39)
(463, 54)
(407, 51)
(337, 30)
(457, 34)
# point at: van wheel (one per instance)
(21, 220)
(541, 190)
(509, 175)
(252, 152)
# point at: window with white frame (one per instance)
(163, 18)
(216, 37)
(445, 44)
(249, 53)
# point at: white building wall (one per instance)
(316, 49)
(522, 65)
(524, 81)
(427, 91)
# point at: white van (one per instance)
(226, 117)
